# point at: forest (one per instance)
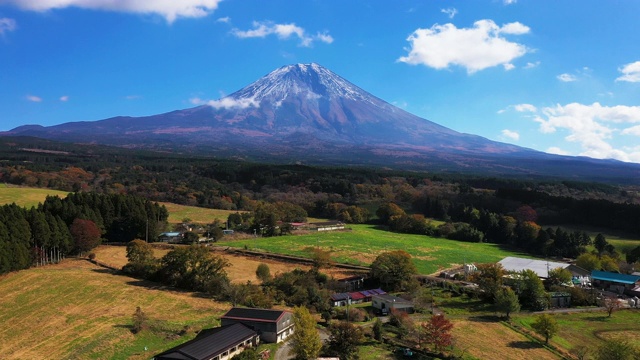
(510, 211)
(73, 225)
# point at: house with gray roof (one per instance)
(540, 267)
(272, 325)
(219, 343)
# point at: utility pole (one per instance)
(146, 239)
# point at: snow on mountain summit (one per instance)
(310, 80)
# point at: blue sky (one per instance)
(556, 76)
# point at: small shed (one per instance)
(384, 303)
(560, 299)
(339, 299)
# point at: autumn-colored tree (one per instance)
(437, 332)
(526, 213)
(388, 210)
(611, 304)
(344, 338)
(489, 278)
(86, 235)
(305, 341)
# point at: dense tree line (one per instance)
(59, 227)
(475, 208)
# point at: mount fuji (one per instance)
(306, 113)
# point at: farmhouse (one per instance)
(540, 267)
(219, 343)
(356, 297)
(618, 283)
(384, 303)
(271, 325)
(328, 226)
(170, 237)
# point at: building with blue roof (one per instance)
(616, 282)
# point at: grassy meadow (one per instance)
(26, 197)
(177, 213)
(77, 310)
(364, 243)
(589, 329)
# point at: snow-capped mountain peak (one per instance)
(312, 81)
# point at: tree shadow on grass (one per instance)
(601, 318)
(525, 345)
(485, 318)
(151, 285)
(105, 271)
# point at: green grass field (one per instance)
(365, 242)
(589, 329)
(177, 213)
(26, 197)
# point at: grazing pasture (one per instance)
(364, 243)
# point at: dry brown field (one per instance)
(77, 310)
(241, 269)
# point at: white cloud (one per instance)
(634, 130)
(509, 66)
(324, 37)
(525, 108)
(64, 98)
(513, 135)
(34, 98)
(169, 9)
(6, 25)
(226, 103)
(282, 31)
(531, 65)
(476, 48)
(593, 127)
(225, 20)
(451, 12)
(566, 77)
(133, 97)
(631, 72)
(509, 2)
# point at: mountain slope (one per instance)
(304, 112)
